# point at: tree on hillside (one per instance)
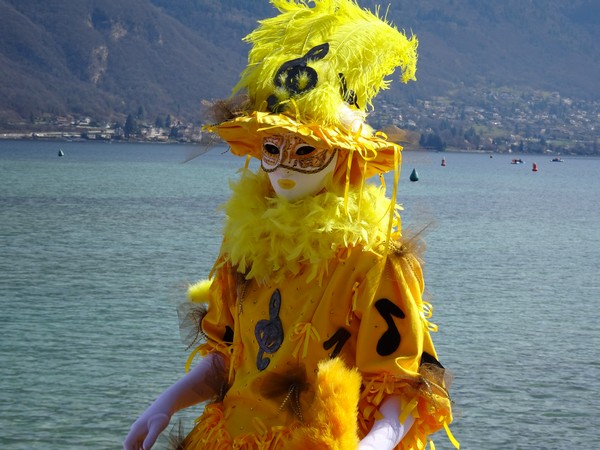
(432, 141)
(131, 126)
(473, 137)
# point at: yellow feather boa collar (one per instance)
(268, 238)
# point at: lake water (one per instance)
(96, 249)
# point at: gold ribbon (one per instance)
(451, 436)
(393, 200)
(188, 362)
(303, 332)
(427, 313)
(408, 409)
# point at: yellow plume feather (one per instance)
(322, 57)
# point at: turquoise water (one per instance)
(97, 248)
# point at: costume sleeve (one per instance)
(217, 325)
(395, 353)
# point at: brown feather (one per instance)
(217, 380)
(286, 388)
(176, 438)
(412, 242)
(216, 112)
(190, 322)
(436, 380)
(219, 111)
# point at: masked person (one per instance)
(315, 331)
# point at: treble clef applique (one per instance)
(269, 333)
(296, 77)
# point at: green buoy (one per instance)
(414, 176)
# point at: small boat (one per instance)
(517, 161)
(557, 159)
(61, 153)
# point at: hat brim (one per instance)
(370, 155)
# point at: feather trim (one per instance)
(268, 238)
(334, 425)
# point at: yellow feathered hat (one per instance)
(314, 71)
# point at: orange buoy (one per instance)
(443, 162)
(534, 168)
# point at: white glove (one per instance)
(193, 388)
(388, 431)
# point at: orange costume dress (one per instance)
(318, 322)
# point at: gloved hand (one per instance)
(388, 431)
(194, 387)
(147, 428)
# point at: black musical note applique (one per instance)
(290, 74)
(390, 340)
(348, 95)
(228, 336)
(426, 358)
(269, 333)
(338, 339)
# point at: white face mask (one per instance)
(295, 168)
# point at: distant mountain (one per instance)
(104, 57)
(550, 45)
(109, 58)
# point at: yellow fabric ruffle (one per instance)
(429, 405)
(210, 434)
(333, 426)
